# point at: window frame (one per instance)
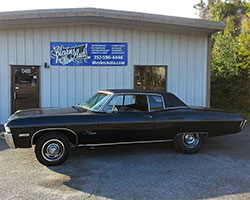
(146, 94)
(163, 102)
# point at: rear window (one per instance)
(155, 102)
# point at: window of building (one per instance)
(150, 78)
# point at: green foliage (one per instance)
(230, 81)
(243, 47)
(223, 53)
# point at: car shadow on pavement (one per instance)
(157, 171)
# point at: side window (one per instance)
(128, 103)
(116, 102)
(129, 99)
(155, 102)
(134, 103)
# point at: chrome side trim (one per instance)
(120, 143)
(9, 139)
(148, 103)
(105, 92)
(176, 107)
(23, 135)
(53, 129)
(205, 133)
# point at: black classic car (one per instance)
(113, 117)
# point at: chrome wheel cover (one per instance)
(190, 140)
(53, 150)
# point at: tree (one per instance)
(230, 81)
(243, 47)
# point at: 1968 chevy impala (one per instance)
(113, 117)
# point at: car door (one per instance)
(126, 119)
(163, 126)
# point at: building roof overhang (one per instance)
(77, 16)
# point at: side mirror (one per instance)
(115, 110)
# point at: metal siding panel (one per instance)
(95, 70)
(151, 50)
(103, 70)
(111, 69)
(12, 47)
(54, 71)
(135, 57)
(79, 87)
(167, 53)
(159, 49)
(190, 70)
(143, 47)
(12, 60)
(38, 47)
(204, 71)
(87, 70)
(45, 73)
(4, 78)
(29, 47)
(38, 54)
(128, 70)
(198, 71)
(119, 80)
(71, 86)
(183, 68)
(63, 81)
(21, 47)
(175, 64)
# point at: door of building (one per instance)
(25, 87)
(150, 78)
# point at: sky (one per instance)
(179, 8)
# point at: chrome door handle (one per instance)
(14, 95)
(148, 116)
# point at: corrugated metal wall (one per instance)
(185, 56)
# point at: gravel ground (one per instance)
(146, 171)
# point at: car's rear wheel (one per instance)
(189, 142)
(52, 149)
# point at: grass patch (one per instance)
(244, 112)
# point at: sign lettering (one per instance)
(88, 54)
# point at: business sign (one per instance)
(88, 54)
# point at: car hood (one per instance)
(39, 112)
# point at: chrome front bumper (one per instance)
(9, 139)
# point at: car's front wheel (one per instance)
(52, 149)
(189, 142)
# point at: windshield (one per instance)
(96, 102)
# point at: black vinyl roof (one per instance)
(170, 99)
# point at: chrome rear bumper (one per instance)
(243, 124)
(9, 139)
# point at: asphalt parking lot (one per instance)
(146, 171)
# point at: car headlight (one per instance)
(7, 129)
